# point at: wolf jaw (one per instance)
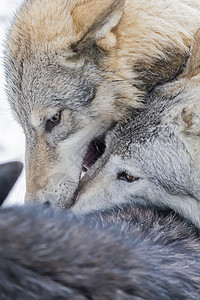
(154, 157)
(84, 58)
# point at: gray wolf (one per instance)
(9, 172)
(154, 157)
(51, 254)
(75, 67)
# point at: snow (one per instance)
(11, 135)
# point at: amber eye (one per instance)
(127, 177)
(53, 121)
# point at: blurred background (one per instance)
(11, 135)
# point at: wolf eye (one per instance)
(127, 177)
(53, 121)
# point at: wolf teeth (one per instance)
(83, 173)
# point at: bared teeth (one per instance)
(83, 174)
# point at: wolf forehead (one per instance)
(40, 63)
(42, 81)
(145, 124)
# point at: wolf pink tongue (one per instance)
(95, 150)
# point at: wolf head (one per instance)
(154, 158)
(55, 84)
(70, 76)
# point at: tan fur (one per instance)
(145, 29)
(38, 163)
(130, 45)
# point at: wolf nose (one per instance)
(31, 200)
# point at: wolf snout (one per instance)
(57, 192)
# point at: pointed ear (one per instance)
(94, 21)
(193, 64)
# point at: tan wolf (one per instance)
(153, 159)
(76, 67)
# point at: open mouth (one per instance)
(95, 150)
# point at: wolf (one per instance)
(154, 156)
(51, 254)
(9, 172)
(75, 68)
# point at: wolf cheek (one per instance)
(53, 166)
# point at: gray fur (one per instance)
(130, 253)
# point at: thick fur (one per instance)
(9, 172)
(91, 62)
(153, 157)
(47, 254)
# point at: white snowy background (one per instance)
(11, 135)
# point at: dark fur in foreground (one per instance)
(46, 254)
(9, 172)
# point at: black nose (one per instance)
(9, 172)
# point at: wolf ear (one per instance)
(193, 65)
(94, 21)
